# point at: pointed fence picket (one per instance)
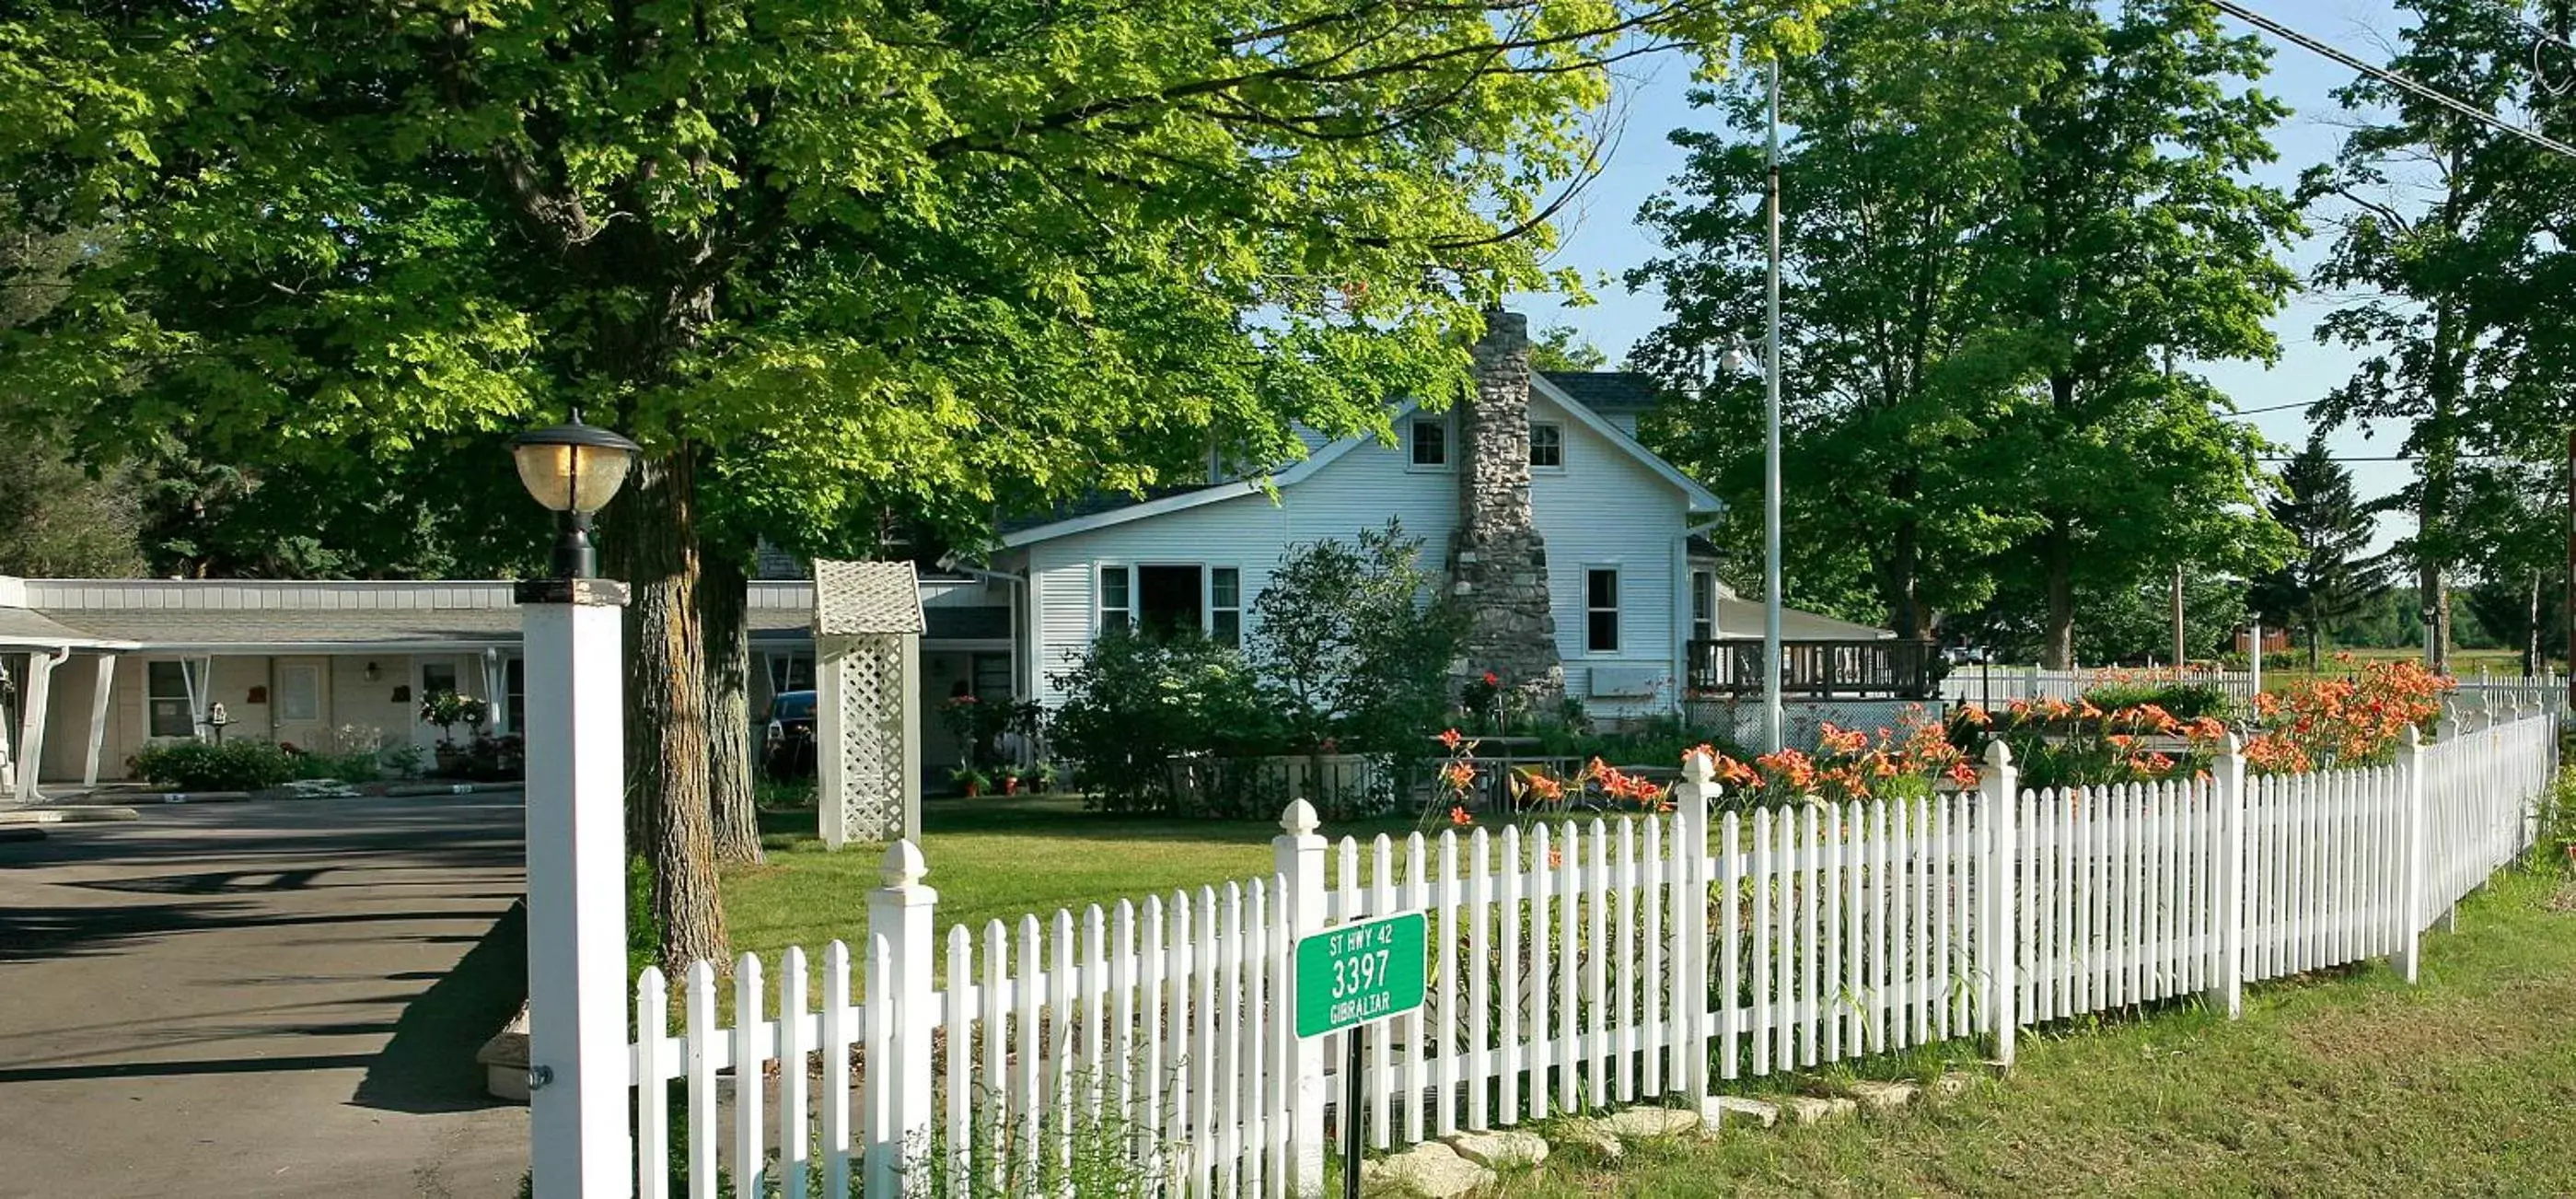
(1577, 964)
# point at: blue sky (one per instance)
(1601, 237)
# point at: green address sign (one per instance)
(1360, 973)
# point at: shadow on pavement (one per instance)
(429, 1064)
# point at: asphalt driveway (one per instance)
(272, 999)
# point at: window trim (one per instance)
(187, 698)
(1208, 607)
(1448, 443)
(1703, 622)
(1558, 467)
(1100, 608)
(1618, 631)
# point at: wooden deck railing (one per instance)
(1732, 666)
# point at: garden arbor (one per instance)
(867, 708)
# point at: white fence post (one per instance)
(1690, 940)
(2227, 802)
(2410, 893)
(902, 912)
(576, 838)
(1297, 857)
(1999, 941)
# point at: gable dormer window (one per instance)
(1430, 443)
(1547, 446)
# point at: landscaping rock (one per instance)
(1950, 1086)
(1879, 1098)
(1736, 1109)
(1430, 1169)
(1590, 1140)
(504, 1059)
(1502, 1149)
(1808, 1109)
(1642, 1123)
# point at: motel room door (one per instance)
(303, 711)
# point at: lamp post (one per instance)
(576, 830)
(572, 469)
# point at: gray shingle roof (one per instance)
(1609, 392)
(20, 626)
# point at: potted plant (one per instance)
(970, 781)
(1010, 780)
(1042, 777)
(448, 709)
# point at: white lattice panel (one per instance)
(872, 750)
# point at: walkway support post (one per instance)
(98, 710)
(577, 1054)
(31, 733)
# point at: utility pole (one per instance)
(2178, 657)
(2571, 569)
(1771, 712)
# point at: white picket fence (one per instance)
(1998, 685)
(1580, 965)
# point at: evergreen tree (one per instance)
(2333, 578)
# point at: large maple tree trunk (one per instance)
(2057, 642)
(722, 597)
(654, 543)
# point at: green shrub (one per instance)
(348, 768)
(1136, 705)
(2183, 701)
(230, 766)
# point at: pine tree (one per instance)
(2334, 577)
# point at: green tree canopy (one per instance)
(932, 258)
(1900, 148)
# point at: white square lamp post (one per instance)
(576, 832)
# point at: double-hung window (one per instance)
(1225, 605)
(1703, 606)
(1601, 609)
(1547, 446)
(1117, 600)
(1430, 440)
(172, 709)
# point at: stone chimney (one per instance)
(1498, 563)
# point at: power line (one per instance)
(2273, 408)
(2437, 96)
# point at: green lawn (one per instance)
(2350, 1084)
(992, 858)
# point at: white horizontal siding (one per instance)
(1606, 508)
(1359, 490)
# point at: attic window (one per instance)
(1430, 443)
(1547, 446)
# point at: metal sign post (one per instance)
(1352, 976)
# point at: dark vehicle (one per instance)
(787, 741)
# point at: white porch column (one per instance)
(577, 1056)
(831, 780)
(907, 691)
(98, 717)
(31, 728)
